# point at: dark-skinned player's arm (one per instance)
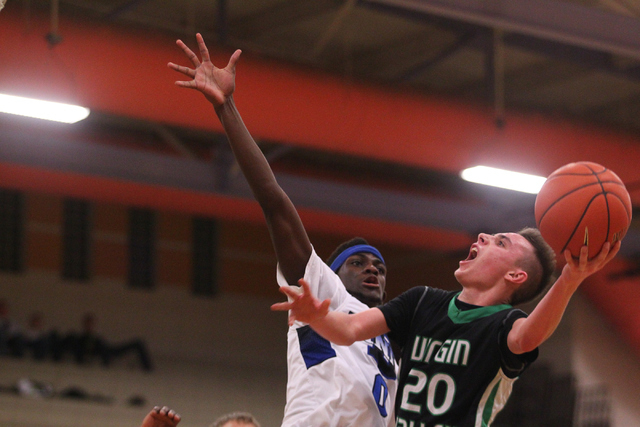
(335, 326)
(289, 238)
(528, 333)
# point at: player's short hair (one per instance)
(344, 246)
(540, 269)
(241, 417)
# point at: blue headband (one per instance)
(340, 259)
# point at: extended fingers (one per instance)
(568, 257)
(164, 417)
(204, 52)
(165, 410)
(189, 72)
(291, 291)
(581, 261)
(231, 66)
(324, 306)
(192, 56)
(614, 250)
(174, 416)
(281, 306)
(304, 285)
(584, 256)
(603, 252)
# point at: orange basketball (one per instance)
(582, 203)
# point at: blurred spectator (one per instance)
(89, 345)
(35, 338)
(10, 333)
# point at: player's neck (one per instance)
(483, 297)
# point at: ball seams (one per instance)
(584, 213)
(574, 190)
(563, 211)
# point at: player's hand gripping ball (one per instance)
(582, 203)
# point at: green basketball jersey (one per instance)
(456, 369)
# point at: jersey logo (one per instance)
(450, 352)
(380, 350)
(313, 347)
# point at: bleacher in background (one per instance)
(63, 394)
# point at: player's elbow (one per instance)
(522, 344)
(271, 197)
(528, 345)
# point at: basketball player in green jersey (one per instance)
(461, 351)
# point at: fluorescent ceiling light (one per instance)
(504, 179)
(46, 110)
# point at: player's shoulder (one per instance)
(441, 293)
(421, 293)
(513, 314)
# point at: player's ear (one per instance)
(516, 277)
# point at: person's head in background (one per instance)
(236, 419)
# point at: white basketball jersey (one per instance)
(332, 385)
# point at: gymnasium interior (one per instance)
(368, 111)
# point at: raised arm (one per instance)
(528, 333)
(288, 235)
(339, 328)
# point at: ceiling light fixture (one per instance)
(46, 110)
(504, 179)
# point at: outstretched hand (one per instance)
(577, 270)
(216, 84)
(303, 305)
(161, 417)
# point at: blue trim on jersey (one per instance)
(313, 347)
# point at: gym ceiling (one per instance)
(367, 110)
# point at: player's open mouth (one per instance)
(473, 253)
(371, 281)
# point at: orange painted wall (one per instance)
(43, 232)
(174, 249)
(110, 245)
(127, 75)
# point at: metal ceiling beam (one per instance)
(222, 20)
(600, 60)
(397, 126)
(123, 8)
(462, 41)
(39, 162)
(280, 17)
(558, 21)
(336, 24)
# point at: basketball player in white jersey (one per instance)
(328, 385)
